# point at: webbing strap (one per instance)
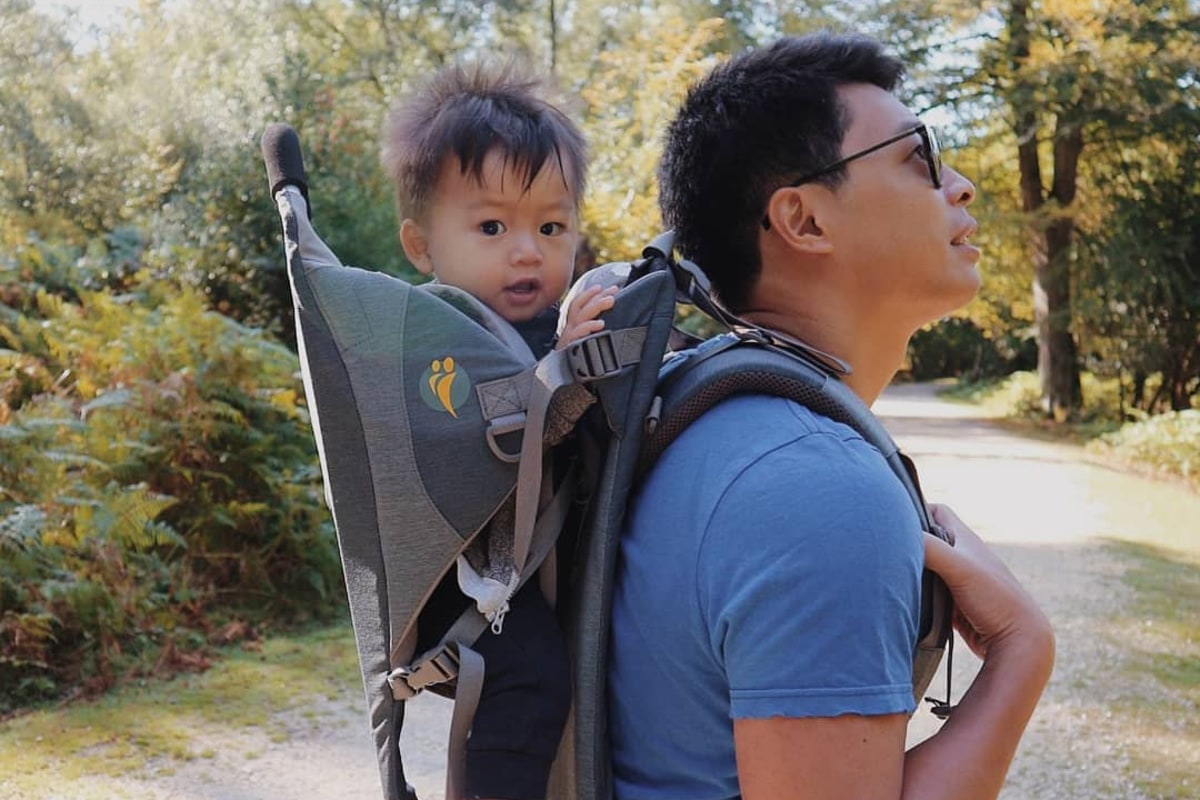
(507, 396)
(466, 700)
(556, 370)
(550, 374)
(551, 520)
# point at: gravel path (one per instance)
(1046, 510)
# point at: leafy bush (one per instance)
(1167, 443)
(1015, 395)
(157, 467)
(957, 347)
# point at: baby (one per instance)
(489, 176)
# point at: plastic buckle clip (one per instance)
(408, 682)
(593, 357)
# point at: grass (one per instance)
(168, 722)
(1160, 635)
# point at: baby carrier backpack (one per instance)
(433, 421)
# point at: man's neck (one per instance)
(874, 355)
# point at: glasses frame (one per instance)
(933, 159)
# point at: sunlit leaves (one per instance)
(631, 96)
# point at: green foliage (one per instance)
(957, 347)
(1143, 265)
(625, 121)
(156, 461)
(1070, 91)
(144, 151)
(1167, 444)
(1014, 395)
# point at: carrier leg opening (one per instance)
(524, 705)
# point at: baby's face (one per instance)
(512, 248)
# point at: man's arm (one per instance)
(863, 757)
(850, 757)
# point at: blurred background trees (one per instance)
(157, 476)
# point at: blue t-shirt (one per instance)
(770, 566)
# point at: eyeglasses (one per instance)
(931, 150)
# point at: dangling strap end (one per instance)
(940, 709)
(943, 708)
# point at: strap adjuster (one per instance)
(408, 682)
(593, 357)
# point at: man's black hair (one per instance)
(755, 123)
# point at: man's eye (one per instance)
(552, 228)
(491, 228)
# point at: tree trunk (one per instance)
(1058, 360)
(1139, 390)
(553, 39)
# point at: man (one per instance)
(768, 593)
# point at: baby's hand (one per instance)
(582, 313)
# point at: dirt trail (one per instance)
(1043, 506)
(1049, 512)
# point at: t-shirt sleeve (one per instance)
(809, 583)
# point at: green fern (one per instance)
(156, 456)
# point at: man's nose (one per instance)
(958, 187)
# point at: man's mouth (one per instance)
(964, 236)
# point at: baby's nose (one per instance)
(525, 249)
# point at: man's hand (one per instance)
(1002, 624)
(990, 605)
(583, 312)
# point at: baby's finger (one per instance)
(581, 299)
(603, 301)
(590, 304)
(576, 332)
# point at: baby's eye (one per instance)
(492, 227)
(552, 228)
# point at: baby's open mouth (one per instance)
(525, 287)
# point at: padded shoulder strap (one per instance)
(734, 365)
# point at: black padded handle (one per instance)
(284, 161)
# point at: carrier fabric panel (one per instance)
(408, 473)
(348, 486)
(435, 480)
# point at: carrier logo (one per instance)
(445, 386)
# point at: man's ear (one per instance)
(795, 214)
(416, 246)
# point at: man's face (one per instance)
(513, 248)
(903, 242)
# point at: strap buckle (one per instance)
(502, 426)
(593, 357)
(408, 682)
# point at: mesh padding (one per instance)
(751, 381)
